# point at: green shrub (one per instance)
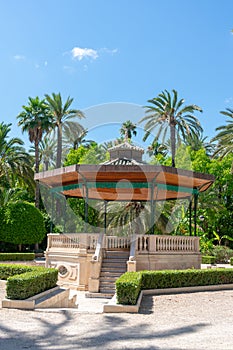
(222, 254)
(24, 281)
(185, 278)
(31, 283)
(8, 270)
(22, 223)
(208, 259)
(231, 261)
(17, 256)
(128, 287)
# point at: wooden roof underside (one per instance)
(122, 182)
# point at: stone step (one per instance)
(108, 281)
(117, 254)
(114, 265)
(110, 293)
(115, 259)
(113, 269)
(99, 295)
(109, 278)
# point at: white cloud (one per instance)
(19, 57)
(80, 53)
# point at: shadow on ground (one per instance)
(73, 331)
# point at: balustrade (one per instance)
(156, 243)
(143, 243)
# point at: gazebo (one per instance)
(82, 258)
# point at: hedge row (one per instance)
(17, 256)
(129, 285)
(231, 261)
(208, 259)
(24, 282)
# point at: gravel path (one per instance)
(192, 321)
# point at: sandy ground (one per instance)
(194, 321)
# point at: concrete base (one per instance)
(168, 261)
(113, 307)
(52, 298)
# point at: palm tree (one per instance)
(15, 163)
(62, 114)
(74, 136)
(35, 119)
(225, 135)
(47, 149)
(197, 141)
(167, 113)
(127, 130)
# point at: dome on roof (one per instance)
(125, 153)
(127, 146)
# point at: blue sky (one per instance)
(103, 51)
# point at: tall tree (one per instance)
(167, 113)
(35, 119)
(197, 141)
(224, 136)
(74, 135)
(128, 129)
(15, 162)
(47, 152)
(62, 115)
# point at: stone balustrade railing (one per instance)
(143, 243)
(115, 242)
(163, 243)
(73, 240)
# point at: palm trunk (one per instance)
(37, 165)
(173, 143)
(59, 146)
(37, 191)
(46, 164)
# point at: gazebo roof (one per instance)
(139, 182)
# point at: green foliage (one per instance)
(15, 162)
(75, 155)
(90, 154)
(208, 259)
(24, 282)
(167, 113)
(231, 261)
(128, 287)
(17, 256)
(8, 270)
(78, 207)
(222, 254)
(21, 223)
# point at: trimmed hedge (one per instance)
(129, 285)
(8, 270)
(17, 256)
(208, 259)
(24, 282)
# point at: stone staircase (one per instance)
(114, 264)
